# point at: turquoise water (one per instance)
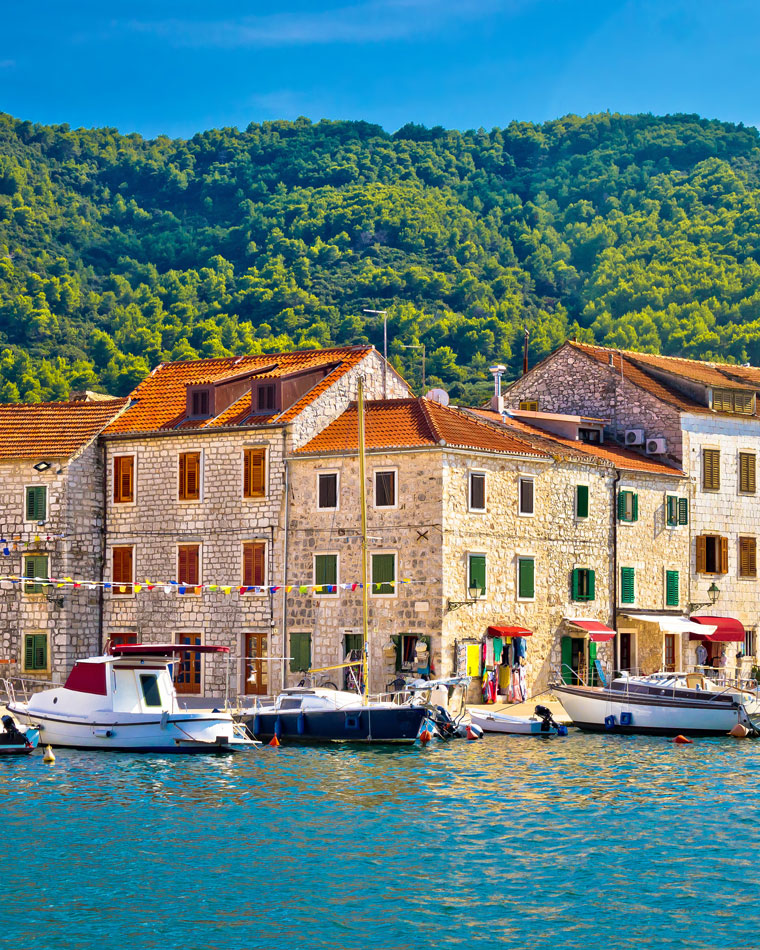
(584, 842)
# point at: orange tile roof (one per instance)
(160, 400)
(620, 457)
(412, 423)
(635, 366)
(53, 429)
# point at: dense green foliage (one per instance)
(117, 253)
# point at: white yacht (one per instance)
(125, 701)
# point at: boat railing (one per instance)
(16, 689)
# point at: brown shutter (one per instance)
(192, 473)
(701, 554)
(248, 565)
(122, 569)
(253, 563)
(123, 478)
(751, 557)
(253, 473)
(723, 555)
(193, 564)
(182, 564)
(188, 562)
(258, 563)
(182, 471)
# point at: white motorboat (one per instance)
(750, 698)
(537, 725)
(125, 701)
(652, 705)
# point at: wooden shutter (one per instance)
(627, 585)
(122, 558)
(254, 563)
(672, 589)
(36, 498)
(526, 580)
(747, 557)
(701, 554)
(526, 496)
(711, 469)
(190, 476)
(567, 659)
(300, 652)
(477, 491)
(575, 584)
(35, 651)
(628, 506)
(325, 569)
(747, 466)
(683, 510)
(672, 510)
(35, 566)
(327, 490)
(581, 501)
(723, 555)
(123, 479)
(477, 572)
(634, 506)
(188, 564)
(29, 652)
(254, 469)
(591, 585)
(383, 573)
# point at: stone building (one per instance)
(481, 532)
(51, 506)
(197, 495)
(704, 418)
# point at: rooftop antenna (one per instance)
(497, 400)
(384, 315)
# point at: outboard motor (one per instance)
(11, 734)
(548, 722)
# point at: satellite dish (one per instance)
(439, 396)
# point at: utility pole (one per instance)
(384, 315)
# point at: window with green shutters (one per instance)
(581, 501)
(326, 572)
(35, 651)
(628, 506)
(476, 574)
(583, 584)
(672, 589)
(676, 510)
(300, 652)
(36, 503)
(627, 585)
(384, 574)
(683, 510)
(526, 578)
(35, 565)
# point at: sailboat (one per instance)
(303, 714)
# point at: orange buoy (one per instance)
(739, 731)
(425, 736)
(275, 741)
(682, 740)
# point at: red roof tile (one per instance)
(160, 400)
(53, 429)
(409, 423)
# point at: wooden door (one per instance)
(187, 669)
(626, 651)
(670, 652)
(256, 667)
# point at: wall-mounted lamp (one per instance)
(473, 594)
(41, 466)
(713, 592)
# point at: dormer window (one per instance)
(200, 402)
(590, 436)
(733, 400)
(266, 397)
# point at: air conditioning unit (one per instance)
(656, 446)
(634, 437)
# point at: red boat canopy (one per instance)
(509, 632)
(727, 630)
(163, 649)
(88, 678)
(597, 631)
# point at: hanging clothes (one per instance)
(489, 656)
(519, 649)
(498, 647)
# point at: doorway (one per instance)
(626, 652)
(575, 662)
(187, 670)
(256, 667)
(670, 652)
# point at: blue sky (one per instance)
(155, 66)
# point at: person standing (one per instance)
(701, 654)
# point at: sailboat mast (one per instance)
(363, 497)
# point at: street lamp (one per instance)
(384, 315)
(417, 346)
(473, 595)
(713, 592)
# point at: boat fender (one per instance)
(561, 729)
(48, 756)
(609, 722)
(277, 728)
(626, 718)
(274, 741)
(301, 723)
(682, 740)
(425, 737)
(739, 731)
(473, 732)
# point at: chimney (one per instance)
(497, 400)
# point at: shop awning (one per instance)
(597, 631)
(509, 632)
(675, 624)
(721, 630)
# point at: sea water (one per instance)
(577, 842)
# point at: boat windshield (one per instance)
(150, 690)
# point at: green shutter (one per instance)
(29, 652)
(627, 585)
(592, 674)
(35, 565)
(567, 659)
(325, 569)
(300, 652)
(581, 501)
(477, 576)
(526, 578)
(575, 583)
(635, 516)
(591, 585)
(621, 505)
(36, 503)
(672, 589)
(383, 573)
(35, 651)
(683, 510)
(672, 510)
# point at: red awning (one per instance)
(598, 632)
(509, 632)
(727, 630)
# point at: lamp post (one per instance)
(384, 315)
(473, 595)
(417, 346)
(713, 592)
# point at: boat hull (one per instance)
(603, 710)
(510, 725)
(360, 724)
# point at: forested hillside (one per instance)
(117, 253)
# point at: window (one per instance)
(189, 476)
(188, 666)
(385, 489)
(526, 496)
(121, 639)
(254, 563)
(384, 574)
(266, 397)
(590, 436)
(124, 479)
(628, 506)
(526, 575)
(36, 503)
(711, 469)
(733, 400)
(627, 585)
(712, 554)
(529, 405)
(747, 557)
(122, 566)
(254, 473)
(581, 501)
(300, 652)
(200, 402)
(476, 573)
(676, 510)
(35, 652)
(150, 690)
(747, 465)
(35, 566)
(326, 573)
(188, 566)
(583, 584)
(327, 490)
(672, 589)
(477, 491)
(749, 643)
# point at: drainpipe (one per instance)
(614, 584)
(284, 638)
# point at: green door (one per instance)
(567, 659)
